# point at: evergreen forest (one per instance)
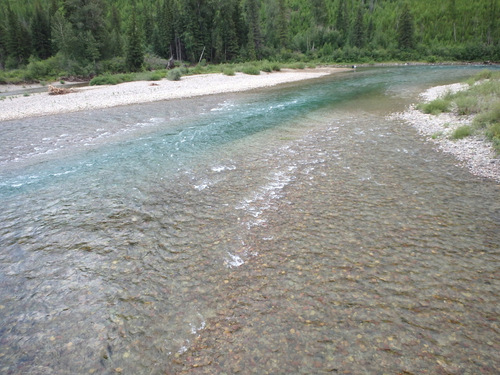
(90, 37)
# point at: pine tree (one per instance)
(64, 37)
(282, 24)
(17, 39)
(320, 12)
(115, 38)
(225, 39)
(164, 30)
(254, 34)
(3, 51)
(359, 30)
(88, 16)
(341, 21)
(41, 34)
(135, 55)
(406, 29)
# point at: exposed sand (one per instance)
(94, 97)
(475, 152)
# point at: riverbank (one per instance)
(96, 97)
(474, 152)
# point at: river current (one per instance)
(292, 230)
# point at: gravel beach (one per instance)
(474, 152)
(94, 97)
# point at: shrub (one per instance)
(267, 68)
(174, 75)
(115, 65)
(198, 69)
(466, 104)
(228, 71)
(298, 65)
(251, 69)
(106, 79)
(487, 118)
(156, 76)
(493, 134)
(153, 62)
(462, 132)
(435, 107)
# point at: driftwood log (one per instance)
(58, 91)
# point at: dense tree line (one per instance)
(87, 35)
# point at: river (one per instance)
(296, 230)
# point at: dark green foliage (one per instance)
(90, 33)
(41, 33)
(88, 24)
(135, 53)
(109, 79)
(406, 38)
(163, 33)
(254, 33)
(358, 33)
(342, 20)
(17, 40)
(224, 33)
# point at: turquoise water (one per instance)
(287, 230)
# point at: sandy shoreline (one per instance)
(474, 152)
(96, 97)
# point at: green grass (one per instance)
(493, 134)
(435, 107)
(481, 100)
(462, 132)
(250, 69)
(111, 79)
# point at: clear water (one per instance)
(289, 230)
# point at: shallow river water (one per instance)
(293, 230)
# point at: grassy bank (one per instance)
(57, 68)
(481, 100)
(253, 68)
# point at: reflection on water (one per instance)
(286, 231)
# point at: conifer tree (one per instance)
(341, 21)
(116, 41)
(406, 29)
(41, 34)
(164, 30)
(135, 55)
(359, 29)
(3, 52)
(17, 39)
(254, 34)
(320, 12)
(225, 39)
(282, 24)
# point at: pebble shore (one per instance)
(96, 97)
(474, 152)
